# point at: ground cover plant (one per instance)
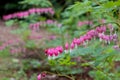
(62, 40)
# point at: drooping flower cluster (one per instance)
(24, 14)
(35, 26)
(99, 32)
(87, 37)
(108, 38)
(53, 52)
(81, 23)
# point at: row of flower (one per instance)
(99, 32)
(23, 14)
(35, 26)
(89, 22)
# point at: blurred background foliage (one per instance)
(99, 58)
(9, 6)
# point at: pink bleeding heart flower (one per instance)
(88, 37)
(39, 77)
(66, 46)
(110, 37)
(72, 46)
(56, 52)
(60, 49)
(75, 40)
(50, 52)
(78, 41)
(101, 29)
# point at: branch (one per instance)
(108, 23)
(71, 78)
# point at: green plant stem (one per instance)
(71, 78)
(108, 23)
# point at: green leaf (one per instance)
(78, 9)
(9, 23)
